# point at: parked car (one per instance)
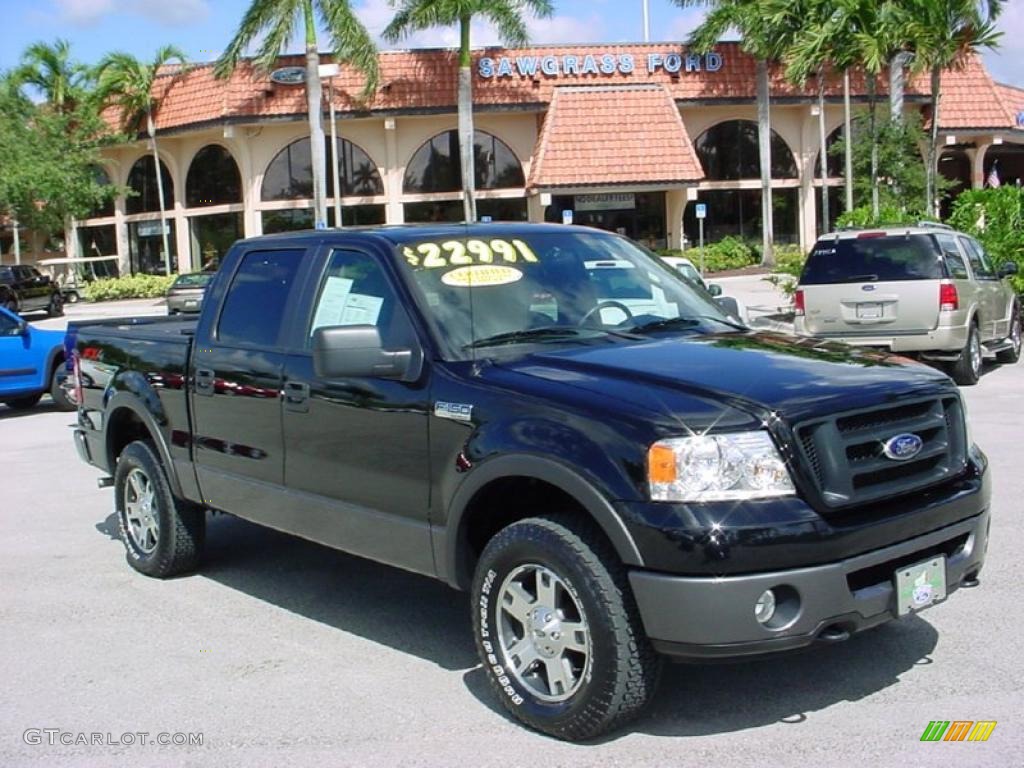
(185, 296)
(927, 291)
(614, 480)
(31, 364)
(72, 275)
(24, 289)
(733, 306)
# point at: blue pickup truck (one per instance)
(31, 364)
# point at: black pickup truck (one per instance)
(614, 469)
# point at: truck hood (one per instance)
(757, 373)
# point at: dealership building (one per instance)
(623, 137)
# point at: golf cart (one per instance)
(72, 275)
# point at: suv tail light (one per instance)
(949, 300)
(798, 301)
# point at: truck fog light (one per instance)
(764, 608)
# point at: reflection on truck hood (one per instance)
(797, 378)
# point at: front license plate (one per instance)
(871, 311)
(918, 586)
(190, 303)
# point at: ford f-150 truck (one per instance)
(613, 482)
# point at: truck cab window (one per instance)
(356, 291)
(255, 302)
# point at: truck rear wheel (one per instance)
(58, 389)
(967, 370)
(558, 631)
(163, 536)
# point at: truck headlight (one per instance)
(741, 465)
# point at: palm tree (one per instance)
(944, 33)
(126, 83)
(505, 15)
(766, 41)
(50, 69)
(275, 21)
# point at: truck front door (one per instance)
(356, 453)
(236, 378)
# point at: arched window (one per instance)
(729, 151)
(213, 178)
(836, 163)
(437, 167)
(142, 181)
(105, 208)
(290, 174)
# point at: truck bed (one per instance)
(162, 329)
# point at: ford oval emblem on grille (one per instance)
(903, 447)
(867, 287)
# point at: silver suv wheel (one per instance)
(543, 633)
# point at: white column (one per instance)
(394, 213)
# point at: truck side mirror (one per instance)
(356, 351)
(715, 289)
(1008, 269)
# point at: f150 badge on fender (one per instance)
(454, 411)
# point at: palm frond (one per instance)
(261, 15)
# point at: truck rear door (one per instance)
(236, 381)
(872, 284)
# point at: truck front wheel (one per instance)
(558, 631)
(162, 535)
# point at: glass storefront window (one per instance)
(436, 166)
(836, 206)
(290, 174)
(302, 218)
(142, 183)
(737, 213)
(510, 209)
(211, 237)
(145, 247)
(639, 216)
(729, 151)
(213, 178)
(97, 241)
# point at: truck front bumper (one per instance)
(713, 617)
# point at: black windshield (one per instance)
(869, 258)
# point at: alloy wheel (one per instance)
(140, 511)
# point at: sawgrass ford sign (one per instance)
(569, 65)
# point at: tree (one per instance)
(50, 70)
(275, 21)
(766, 40)
(943, 34)
(505, 15)
(48, 161)
(127, 84)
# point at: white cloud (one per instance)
(165, 12)
(376, 14)
(1006, 63)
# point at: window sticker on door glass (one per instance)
(459, 253)
(339, 306)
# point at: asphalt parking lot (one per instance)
(280, 652)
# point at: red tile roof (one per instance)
(425, 80)
(1013, 100)
(617, 134)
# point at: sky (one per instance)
(201, 28)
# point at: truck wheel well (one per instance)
(124, 427)
(501, 503)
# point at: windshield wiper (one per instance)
(682, 323)
(526, 335)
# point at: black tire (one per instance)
(967, 370)
(56, 306)
(23, 403)
(1012, 355)
(11, 304)
(57, 391)
(180, 526)
(622, 670)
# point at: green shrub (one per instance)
(887, 216)
(130, 287)
(996, 218)
(727, 253)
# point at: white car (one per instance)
(730, 304)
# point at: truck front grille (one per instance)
(845, 454)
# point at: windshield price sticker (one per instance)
(464, 253)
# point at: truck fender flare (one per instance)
(127, 400)
(543, 469)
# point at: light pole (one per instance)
(330, 71)
(647, 21)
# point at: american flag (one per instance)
(993, 176)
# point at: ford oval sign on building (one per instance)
(288, 76)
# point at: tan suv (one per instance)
(925, 290)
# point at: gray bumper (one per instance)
(714, 617)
